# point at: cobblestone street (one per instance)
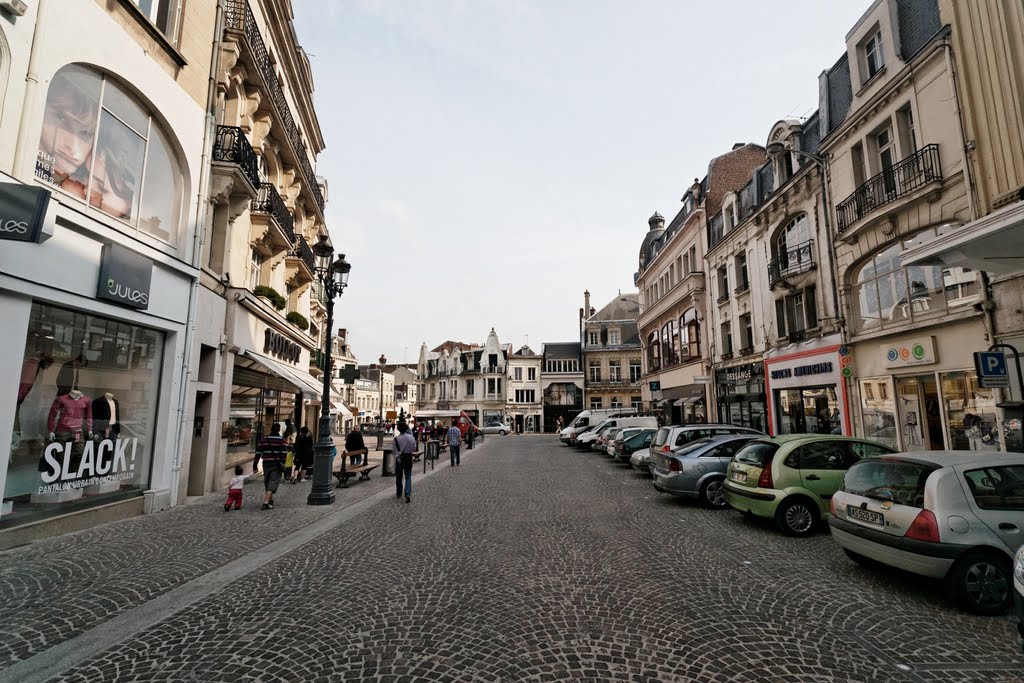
(530, 562)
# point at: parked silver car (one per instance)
(496, 427)
(641, 460)
(618, 437)
(697, 470)
(954, 515)
(672, 437)
(1018, 592)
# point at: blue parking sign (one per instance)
(991, 369)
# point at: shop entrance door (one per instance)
(918, 407)
(813, 410)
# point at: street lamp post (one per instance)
(380, 381)
(333, 277)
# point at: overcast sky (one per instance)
(488, 160)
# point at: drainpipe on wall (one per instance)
(202, 213)
(28, 102)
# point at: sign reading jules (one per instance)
(125, 277)
(22, 210)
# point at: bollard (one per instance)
(385, 469)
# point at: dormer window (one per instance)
(873, 56)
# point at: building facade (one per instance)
(525, 397)
(561, 382)
(897, 179)
(612, 355)
(257, 352)
(101, 162)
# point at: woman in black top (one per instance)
(303, 453)
(354, 446)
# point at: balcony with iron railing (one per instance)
(232, 147)
(913, 173)
(269, 203)
(301, 263)
(792, 261)
(238, 17)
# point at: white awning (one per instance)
(304, 383)
(994, 243)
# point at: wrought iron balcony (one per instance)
(238, 16)
(745, 351)
(232, 147)
(724, 297)
(793, 260)
(304, 252)
(916, 171)
(727, 355)
(269, 201)
(742, 289)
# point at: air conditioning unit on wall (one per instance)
(15, 7)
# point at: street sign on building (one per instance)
(991, 369)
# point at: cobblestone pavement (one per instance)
(530, 562)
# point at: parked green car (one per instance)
(791, 478)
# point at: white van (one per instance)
(593, 436)
(587, 418)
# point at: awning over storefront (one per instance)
(303, 382)
(339, 407)
(994, 243)
(692, 394)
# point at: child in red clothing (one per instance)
(235, 490)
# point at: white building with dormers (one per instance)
(468, 378)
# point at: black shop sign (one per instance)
(276, 344)
(22, 211)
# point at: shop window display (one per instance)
(878, 410)
(814, 410)
(86, 408)
(970, 413)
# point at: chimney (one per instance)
(586, 300)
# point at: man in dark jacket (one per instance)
(354, 446)
(273, 450)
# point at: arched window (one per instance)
(100, 145)
(653, 352)
(668, 351)
(689, 335)
(887, 293)
(792, 235)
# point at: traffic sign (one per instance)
(991, 368)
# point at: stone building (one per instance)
(771, 299)
(672, 283)
(611, 355)
(106, 126)
(898, 178)
(525, 396)
(561, 381)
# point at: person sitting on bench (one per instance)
(354, 446)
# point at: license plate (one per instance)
(865, 515)
(739, 476)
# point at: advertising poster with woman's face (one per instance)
(86, 151)
(69, 130)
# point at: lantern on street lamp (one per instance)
(333, 279)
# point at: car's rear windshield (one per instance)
(661, 437)
(900, 481)
(756, 453)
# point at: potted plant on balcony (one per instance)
(297, 319)
(271, 295)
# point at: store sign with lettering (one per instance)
(125, 277)
(22, 211)
(920, 351)
(802, 370)
(70, 465)
(276, 344)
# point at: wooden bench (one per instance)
(346, 473)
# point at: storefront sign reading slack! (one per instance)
(99, 462)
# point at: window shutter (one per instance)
(780, 316)
(811, 307)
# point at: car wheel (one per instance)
(796, 517)
(712, 494)
(981, 583)
(501, 432)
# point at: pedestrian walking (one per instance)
(303, 453)
(454, 442)
(235, 490)
(469, 436)
(273, 450)
(405, 445)
(355, 448)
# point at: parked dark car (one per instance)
(697, 470)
